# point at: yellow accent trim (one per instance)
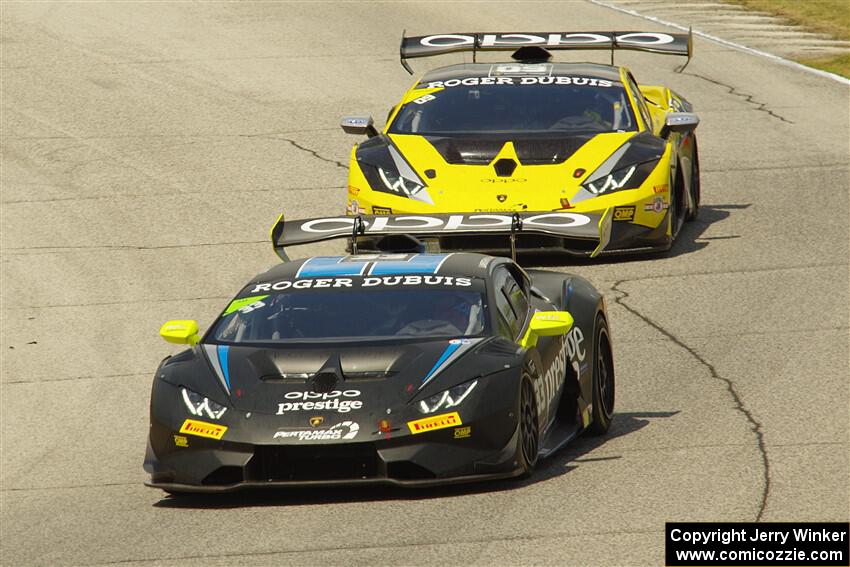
(546, 324)
(605, 222)
(180, 331)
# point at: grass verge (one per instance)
(831, 17)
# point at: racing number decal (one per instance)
(423, 99)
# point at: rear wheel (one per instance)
(603, 380)
(529, 430)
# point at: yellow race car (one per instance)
(532, 135)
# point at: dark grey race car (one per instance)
(403, 368)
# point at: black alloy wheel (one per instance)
(604, 384)
(529, 429)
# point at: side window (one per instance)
(641, 104)
(511, 303)
(517, 300)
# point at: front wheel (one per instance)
(695, 188)
(529, 430)
(603, 380)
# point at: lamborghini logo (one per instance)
(501, 198)
(316, 420)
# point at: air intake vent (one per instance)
(505, 167)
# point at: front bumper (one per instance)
(483, 444)
(408, 462)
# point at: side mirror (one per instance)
(180, 331)
(359, 125)
(679, 122)
(546, 324)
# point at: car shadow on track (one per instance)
(689, 240)
(557, 465)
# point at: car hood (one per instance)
(511, 173)
(303, 380)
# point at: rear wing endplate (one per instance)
(439, 44)
(570, 226)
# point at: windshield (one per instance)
(464, 106)
(353, 314)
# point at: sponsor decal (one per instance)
(546, 388)
(354, 208)
(501, 198)
(575, 338)
(181, 441)
(503, 180)
(353, 191)
(577, 39)
(316, 421)
(328, 401)
(624, 213)
(449, 223)
(660, 188)
(434, 423)
(203, 429)
(381, 211)
(343, 430)
(463, 432)
(363, 282)
(475, 81)
(565, 203)
(656, 206)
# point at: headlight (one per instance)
(387, 171)
(447, 399)
(389, 180)
(201, 406)
(629, 177)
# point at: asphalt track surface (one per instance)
(147, 147)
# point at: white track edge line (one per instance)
(727, 43)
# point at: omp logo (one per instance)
(548, 40)
(624, 213)
(434, 423)
(558, 221)
(203, 429)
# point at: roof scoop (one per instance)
(531, 54)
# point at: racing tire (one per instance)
(695, 188)
(677, 209)
(529, 428)
(603, 380)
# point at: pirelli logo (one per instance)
(434, 423)
(203, 429)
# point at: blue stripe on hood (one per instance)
(223, 351)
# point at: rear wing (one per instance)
(440, 44)
(591, 230)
